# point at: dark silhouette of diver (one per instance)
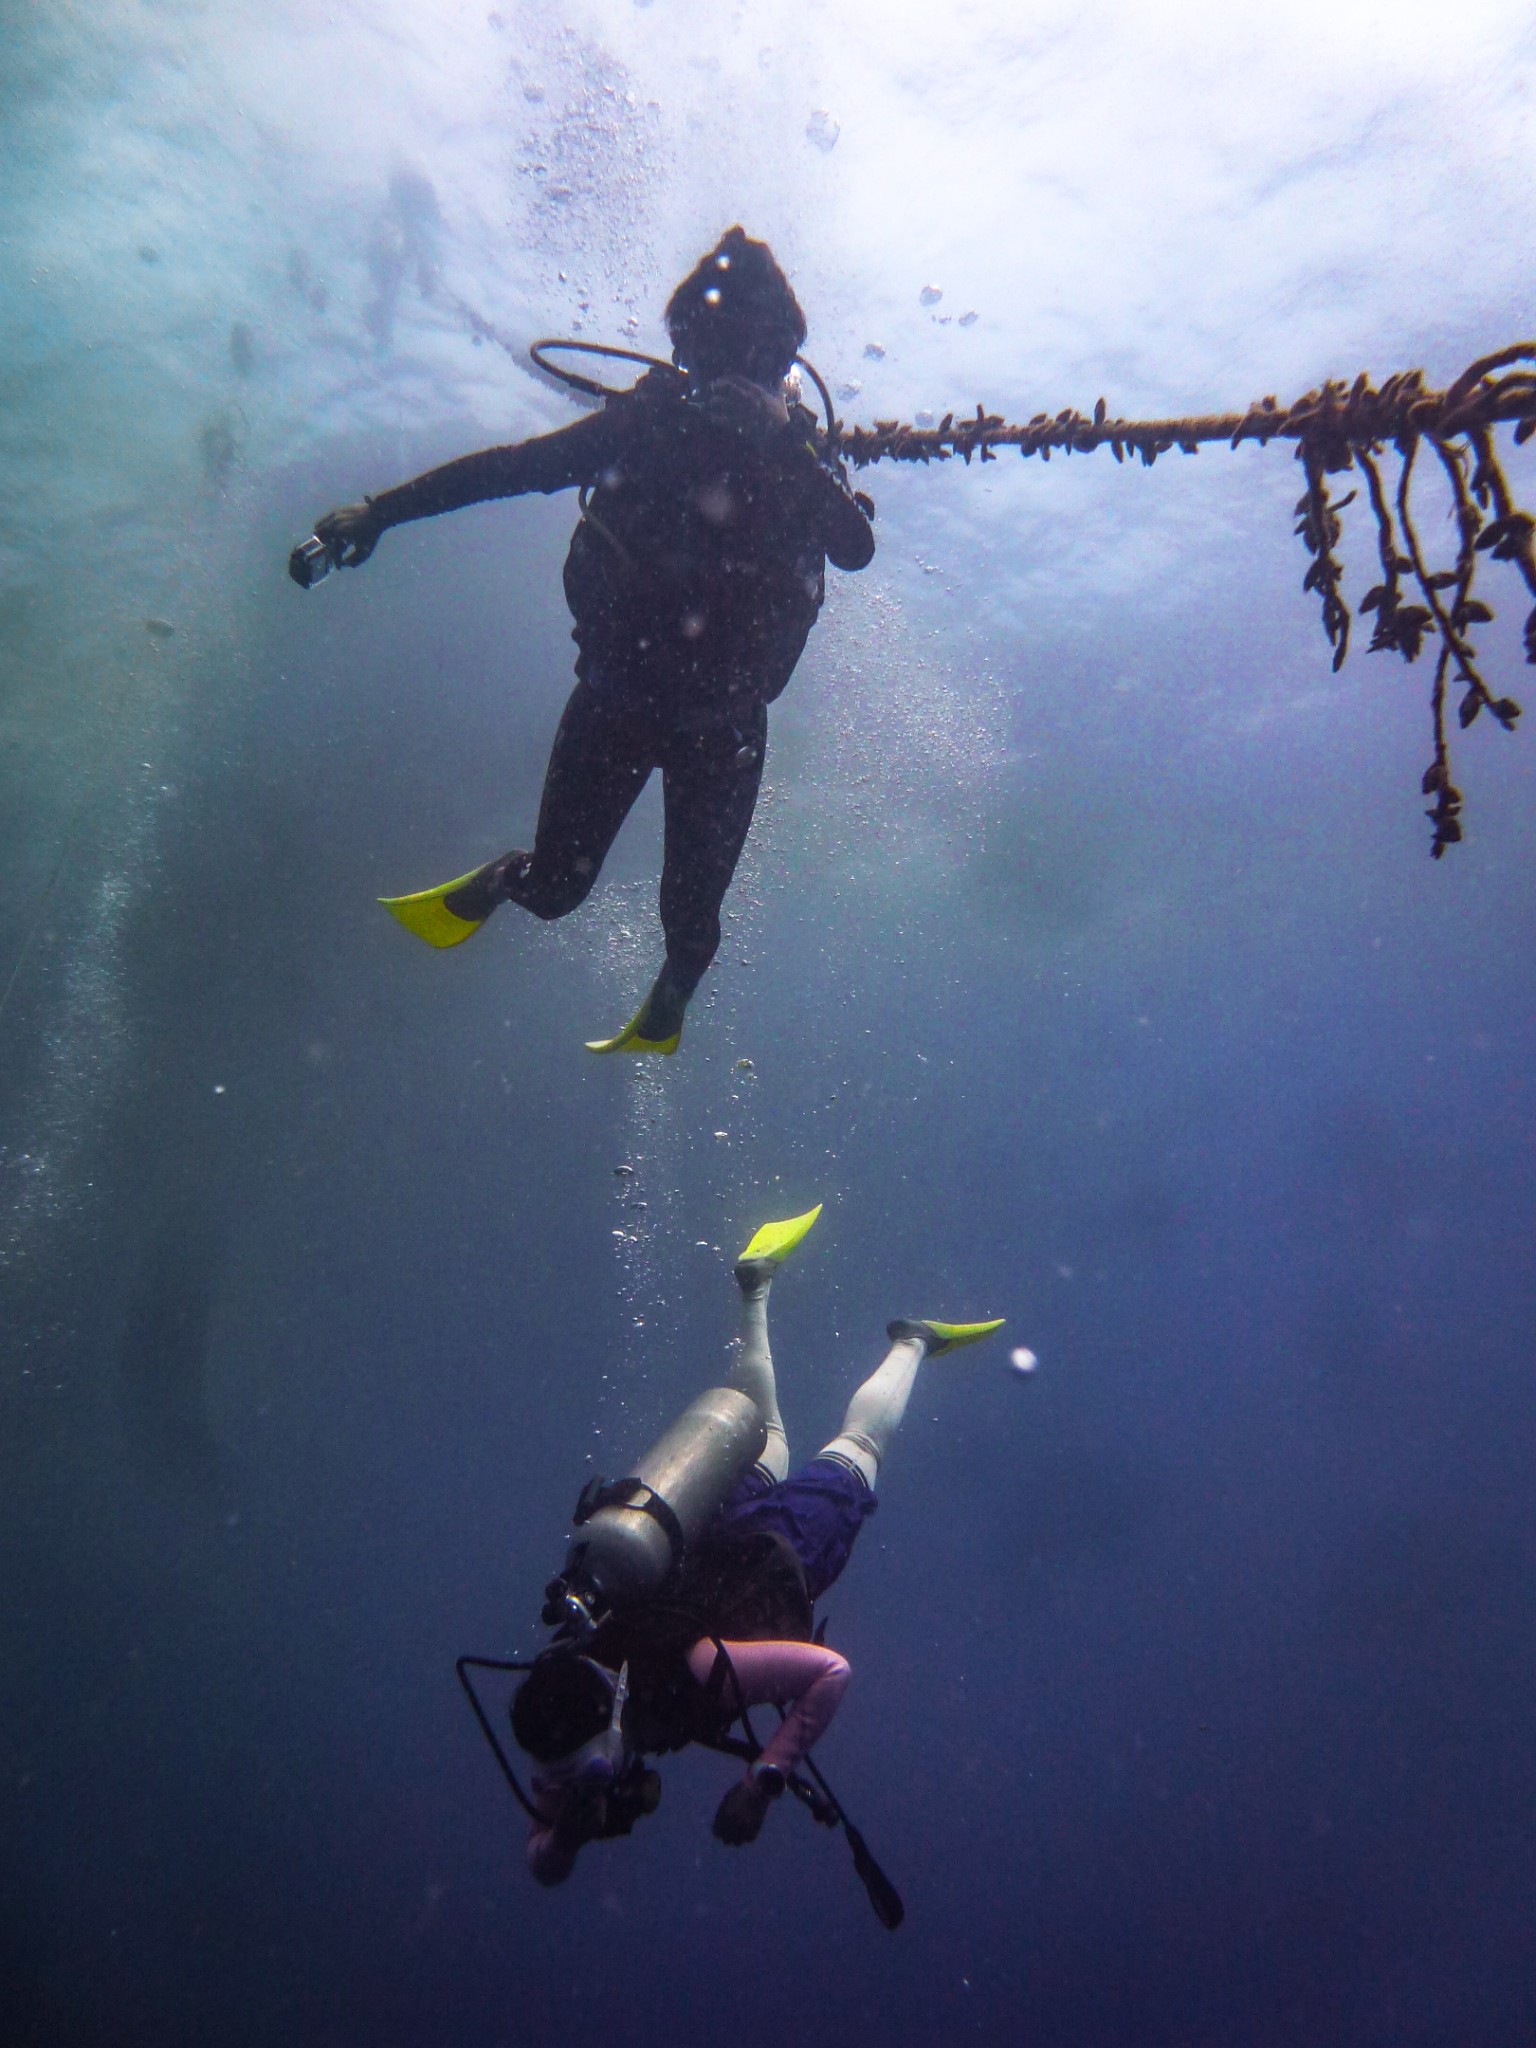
(710, 508)
(686, 1599)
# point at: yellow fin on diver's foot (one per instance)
(941, 1337)
(428, 916)
(775, 1241)
(631, 1038)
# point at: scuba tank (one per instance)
(631, 1533)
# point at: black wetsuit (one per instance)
(694, 578)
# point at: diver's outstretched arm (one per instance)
(572, 455)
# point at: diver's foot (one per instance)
(454, 911)
(769, 1248)
(657, 1026)
(638, 1035)
(937, 1338)
(474, 899)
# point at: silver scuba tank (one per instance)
(631, 1532)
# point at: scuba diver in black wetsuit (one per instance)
(686, 1599)
(694, 577)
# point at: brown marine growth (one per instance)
(1341, 427)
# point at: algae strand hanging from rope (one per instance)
(1338, 428)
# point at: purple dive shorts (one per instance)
(819, 1510)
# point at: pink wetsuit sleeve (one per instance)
(809, 1674)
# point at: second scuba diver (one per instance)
(686, 1600)
(694, 576)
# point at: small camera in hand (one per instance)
(311, 561)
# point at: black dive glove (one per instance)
(740, 1815)
(351, 533)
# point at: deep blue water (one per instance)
(1090, 963)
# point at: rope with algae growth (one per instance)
(1338, 428)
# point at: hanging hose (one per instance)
(817, 1797)
(540, 352)
(463, 1666)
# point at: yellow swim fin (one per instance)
(647, 1030)
(775, 1241)
(942, 1337)
(630, 1039)
(428, 916)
